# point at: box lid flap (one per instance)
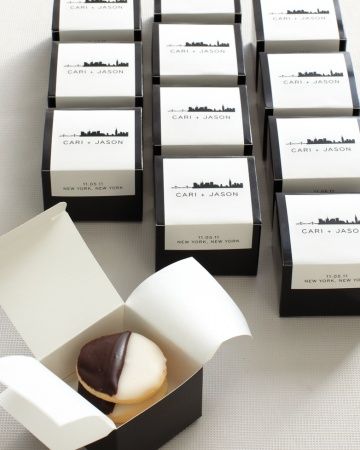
(51, 286)
(49, 408)
(197, 314)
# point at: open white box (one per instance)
(58, 298)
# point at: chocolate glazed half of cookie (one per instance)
(101, 362)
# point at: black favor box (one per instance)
(268, 105)
(322, 301)
(92, 99)
(328, 42)
(73, 283)
(201, 78)
(233, 262)
(195, 17)
(88, 35)
(218, 148)
(175, 412)
(96, 208)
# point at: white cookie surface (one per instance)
(144, 370)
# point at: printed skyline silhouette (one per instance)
(333, 221)
(314, 74)
(201, 44)
(302, 12)
(98, 133)
(212, 185)
(321, 141)
(203, 109)
(97, 1)
(100, 64)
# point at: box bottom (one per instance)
(126, 209)
(160, 423)
(302, 303)
(217, 262)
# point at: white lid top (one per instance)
(51, 286)
(299, 20)
(310, 83)
(197, 7)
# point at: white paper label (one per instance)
(197, 7)
(95, 71)
(195, 50)
(93, 153)
(300, 25)
(311, 84)
(207, 204)
(320, 154)
(325, 240)
(87, 15)
(201, 117)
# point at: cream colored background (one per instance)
(295, 385)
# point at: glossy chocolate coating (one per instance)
(101, 362)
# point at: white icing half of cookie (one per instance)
(144, 370)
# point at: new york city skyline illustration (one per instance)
(99, 64)
(333, 221)
(302, 12)
(204, 109)
(97, 133)
(314, 74)
(212, 185)
(201, 44)
(322, 141)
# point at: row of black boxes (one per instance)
(93, 146)
(308, 112)
(206, 194)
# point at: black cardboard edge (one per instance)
(53, 75)
(139, 89)
(283, 220)
(137, 20)
(156, 117)
(157, 11)
(255, 198)
(48, 129)
(259, 36)
(352, 81)
(138, 140)
(237, 10)
(265, 72)
(239, 54)
(155, 54)
(56, 20)
(246, 116)
(340, 23)
(159, 190)
(259, 27)
(275, 158)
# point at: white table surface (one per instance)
(296, 384)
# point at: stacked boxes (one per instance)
(93, 141)
(307, 103)
(206, 194)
